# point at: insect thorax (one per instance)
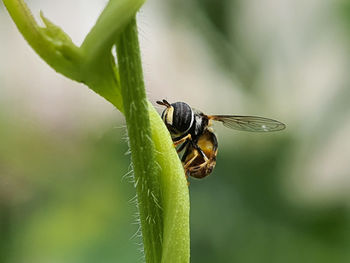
(199, 125)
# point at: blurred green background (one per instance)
(65, 191)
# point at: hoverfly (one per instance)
(192, 133)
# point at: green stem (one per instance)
(163, 196)
(141, 144)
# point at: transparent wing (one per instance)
(249, 123)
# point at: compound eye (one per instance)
(183, 117)
(173, 131)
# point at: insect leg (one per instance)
(182, 140)
(191, 160)
(182, 146)
(198, 167)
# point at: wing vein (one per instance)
(249, 123)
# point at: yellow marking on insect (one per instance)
(206, 145)
(169, 115)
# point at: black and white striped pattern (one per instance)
(183, 117)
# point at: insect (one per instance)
(192, 133)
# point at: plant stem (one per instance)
(146, 171)
(163, 197)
